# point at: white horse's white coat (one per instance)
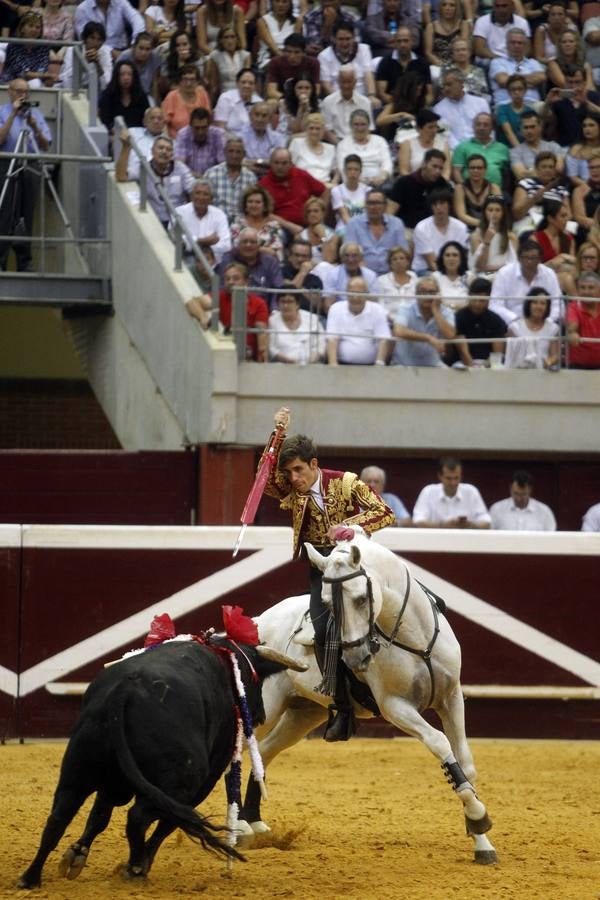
(399, 680)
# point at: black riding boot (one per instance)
(342, 723)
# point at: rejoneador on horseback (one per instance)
(322, 500)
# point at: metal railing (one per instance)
(240, 329)
(181, 234)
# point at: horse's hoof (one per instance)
(486, 857)
(259, 827)
(73, 861)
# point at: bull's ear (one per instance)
(315, 557)
(354, 556)
(282, 658)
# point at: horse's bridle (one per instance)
(371, 635)
(338, 610)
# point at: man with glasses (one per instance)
(491, 30)
(522, 157)
(567, 113)
(516, 63)
(335, 278)
(586, 197)
(483, 144)
(376, 232)
(297, 271)
(515, 280)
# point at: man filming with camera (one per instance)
(16, 211)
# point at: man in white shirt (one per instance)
(346, 50)
(490, 31)
(432, 233)
(591, 520)
(208, 224)
(458, 110)
(232, 109)
(516, 63)
(450, 504)
(339, 106)
(514, 281)
(520, 512)
(358, 332)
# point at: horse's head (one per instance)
(354, 599)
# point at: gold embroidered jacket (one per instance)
(347, 501)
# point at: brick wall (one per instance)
(52, 414)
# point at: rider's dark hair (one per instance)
(297, 446)
(449, 462)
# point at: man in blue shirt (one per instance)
(117, 16)
(376, 232)
(422, 327)
(16, 212)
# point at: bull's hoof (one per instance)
(486, 857)
(25, 882)
(259, 827)
(73, 861)
(244, 835)
(132, 873)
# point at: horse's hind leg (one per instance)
(75, 858)
(451, 710)
(404, 716)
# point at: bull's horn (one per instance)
(282, 658)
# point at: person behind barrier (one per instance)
(450, 503)
(16, 213)
(375, 478)
(321, 500)
(520, 512)
(358, 332)
(172, 176)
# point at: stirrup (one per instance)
(341, 724)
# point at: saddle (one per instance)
(304, 635)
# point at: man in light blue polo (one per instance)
(422, 328)
(516, 63)
(376, 232)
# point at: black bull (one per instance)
(159, 726)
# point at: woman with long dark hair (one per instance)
(298, 101)
(534, 337)
(451, 274)
(576, 162)
(182, 52)
(492, 243)
(408, 100)
(164, 19)
(124, 96)
(471, 196)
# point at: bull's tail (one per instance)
(178, 814)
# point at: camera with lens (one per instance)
(26, 105)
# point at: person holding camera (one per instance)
(19, 115)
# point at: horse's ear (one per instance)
(354, 556)
(315, 557)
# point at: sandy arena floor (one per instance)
(371, 819)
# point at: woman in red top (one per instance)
(557, 244)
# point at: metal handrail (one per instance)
(178, 226)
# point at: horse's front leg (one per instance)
(404, 716)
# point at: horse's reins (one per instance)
(373, 641)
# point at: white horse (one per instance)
(396, 641)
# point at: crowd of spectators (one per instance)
(390, 178)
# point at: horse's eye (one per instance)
(361, 601)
